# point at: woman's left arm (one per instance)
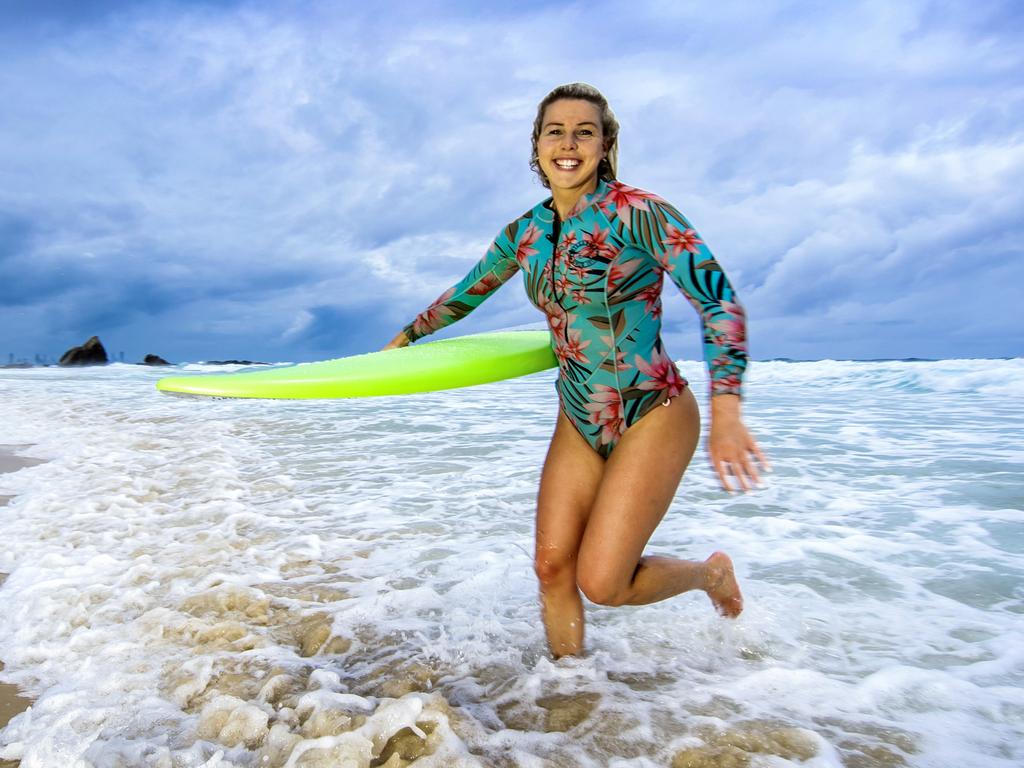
(731, 447)
(668, 236)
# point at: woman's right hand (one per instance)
(401, 340)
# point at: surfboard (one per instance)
(447, 364)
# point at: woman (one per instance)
(593, 256)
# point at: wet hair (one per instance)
(608, 166)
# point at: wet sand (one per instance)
(10, 461)
(11, 703)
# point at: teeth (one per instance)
(567, 164)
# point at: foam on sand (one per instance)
(11, 702)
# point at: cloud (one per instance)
(201, 178)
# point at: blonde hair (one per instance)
(608, 167)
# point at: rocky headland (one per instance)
(92, 352)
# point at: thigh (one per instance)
(640, 478)
(568, 487)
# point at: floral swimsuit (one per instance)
(597, 278)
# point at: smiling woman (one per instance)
(598, 140)
(616, 458)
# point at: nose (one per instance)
(568, 140)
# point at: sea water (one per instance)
(198, 582)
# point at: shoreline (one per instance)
(12, 703)
(31, 366)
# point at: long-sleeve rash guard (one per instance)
(597, 277)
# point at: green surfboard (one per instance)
(448, 364)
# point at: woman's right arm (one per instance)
(489, 274)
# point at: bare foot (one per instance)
(721, 586)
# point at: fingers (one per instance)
(739, 472)
(743, 469)
(720, 467)
(751, 471)
(762, 459)
(733, 451)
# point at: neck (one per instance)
(564, 200)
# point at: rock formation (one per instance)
(154, 360)
(90, 353)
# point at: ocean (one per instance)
(349, 583)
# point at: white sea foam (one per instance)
(254, 583)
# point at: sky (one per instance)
(289, 181)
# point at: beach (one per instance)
(313, 583)
(11, 703)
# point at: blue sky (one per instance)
(296, 180)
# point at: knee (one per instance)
(554, 570)
(601, 587)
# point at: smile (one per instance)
(567, 165)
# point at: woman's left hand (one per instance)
(731, 447)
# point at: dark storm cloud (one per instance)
(268, 176)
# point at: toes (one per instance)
(725, 591)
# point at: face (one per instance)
(571, 145)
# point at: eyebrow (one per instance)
(555, 122)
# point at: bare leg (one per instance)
(572, 473)
(658, 578)
(639, 481)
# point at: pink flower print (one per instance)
(555, 314)
(567, 242)
(523, 248)
(681, 240)
(596, 242)
(731, 330)
(722, 361)
(434, 316)
(579, 295)
(618, 272)
(489, 282)
(582, 203)
(605, 408)
(663, 373)
(620, 361)
(562, 285)
(620, 355)
(623, 197)
(570, 348)
(651, 296)
(730, 383)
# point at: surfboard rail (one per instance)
(463, 361)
